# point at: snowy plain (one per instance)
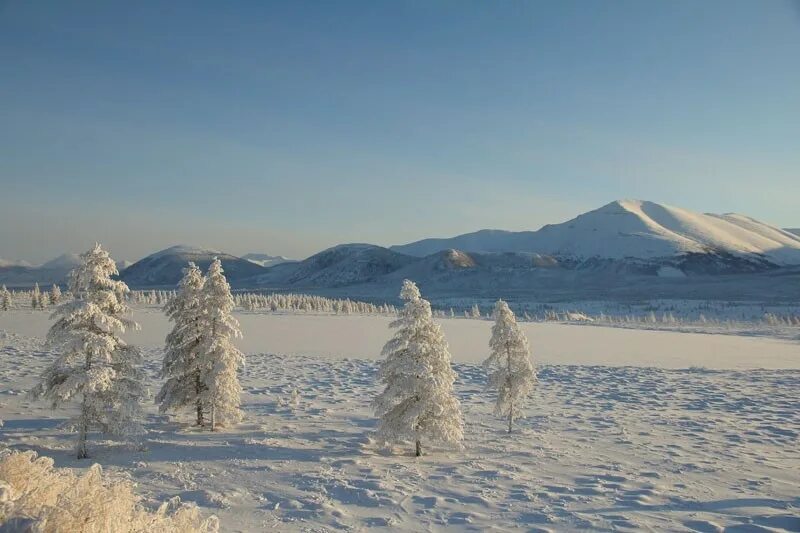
(627, 429)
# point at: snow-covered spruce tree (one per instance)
(36, 295)
(218, 355)
(418, 401)
(55, 294)
(5, 299)
(94, 365)
(511, 371)
(182, 361)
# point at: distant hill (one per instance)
(22, 274)
(634, 229)
(342, 265)
(625, 249)
(165, 268)
(265, 260)
(795, 231)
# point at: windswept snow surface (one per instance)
(645, 446)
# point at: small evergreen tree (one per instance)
(219, 356)
(418, 401)
(182, 364)
(94, 365)
(5, 299)
(36, 294)
(55, 294)
(476, 311)
(511, 371)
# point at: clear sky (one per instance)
(286, 127)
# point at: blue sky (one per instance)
(286, 127)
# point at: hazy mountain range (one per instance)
(611, 249)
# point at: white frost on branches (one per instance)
(183, 361)
(511, 371)
(94, 366)
(55, 295)
(220, 358)
(6, 302)
(418, 401)
(35, 496)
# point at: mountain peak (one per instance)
(630, 228)
(185, 249)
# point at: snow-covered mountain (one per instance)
(65, 262)
(626, 249)
(634, 229)
(345, 264)
(266, 260)
(165, 268)
(13, 263)
(22, 274)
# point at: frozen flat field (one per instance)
(362, 337)
(621, 434)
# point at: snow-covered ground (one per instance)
(362, 337)
(627, 429)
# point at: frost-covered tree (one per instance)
(55, 294)
(475, 312)
(183, 364)
(418, 401)
(36, 296)
(511, 371)
(218, 355)
(94, 366)
(5, 299)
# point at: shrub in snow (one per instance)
(218, 355)
(511, 372)
(418, 401)
(40, 498)
(94, 366)
(183, 364)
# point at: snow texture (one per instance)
(603, 447)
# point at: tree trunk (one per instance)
(213, 417)
(200, 421)
(508, 377)
(198, 389)
(83, 431)
(419, 448)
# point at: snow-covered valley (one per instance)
(626, 429)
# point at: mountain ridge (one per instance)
(622, 238)
(632, 229)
